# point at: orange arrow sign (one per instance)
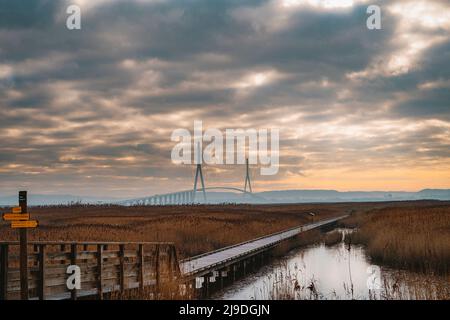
(14, 216)
(24, 224)
(17, 210)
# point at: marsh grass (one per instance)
(168, 290)
(193, 229)
(307, 238)
(406, 238)
(332, 238)
(287, 284)
(407, 235)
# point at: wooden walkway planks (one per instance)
(105, 267)
(204, 262)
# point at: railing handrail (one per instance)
(255, 239)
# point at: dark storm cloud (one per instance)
(183, 100)
(27, 14)
(434, 104)
(122, 150)
(102, 101)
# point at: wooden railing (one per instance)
(106, 267)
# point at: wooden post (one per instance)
(100, 271)
(234, 273)
(4, 272)
(170, 264)
(141, 266)
(122, 267)
(157, 271)
(62, 248)
(41, 292)
(175, 266)
(206, 288)
(73, 261)
(36, 251)
(85, 249)
(23, 250)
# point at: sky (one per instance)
(91, 111)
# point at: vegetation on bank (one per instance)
(413, 238)
(193, 229)
(332, 238)
(287, 284)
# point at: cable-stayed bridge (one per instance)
(194, 195)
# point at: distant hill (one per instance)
(282, 196)
(441, 194)
(303, 196)
(290, 196)
(41, 199)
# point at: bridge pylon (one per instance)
(198, 172)
(247, 177)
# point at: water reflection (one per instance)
(336, 272)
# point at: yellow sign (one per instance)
(15, 216)
(24, 224)
(17, 210)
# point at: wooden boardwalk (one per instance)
(108, 267)
(205, 263)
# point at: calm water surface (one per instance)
(336, 272)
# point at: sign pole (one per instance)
(23, 250)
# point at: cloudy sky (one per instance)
(91, 111)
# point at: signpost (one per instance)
(24, 224)
(15, 216)
(23, 249)
(17, 210)
(20, 219)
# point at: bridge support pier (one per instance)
(221, 275)
(206, 286)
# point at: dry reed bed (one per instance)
(287, 285)
(194, 229)
(332, 238)
(410, 238)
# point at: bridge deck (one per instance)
(198, 264)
